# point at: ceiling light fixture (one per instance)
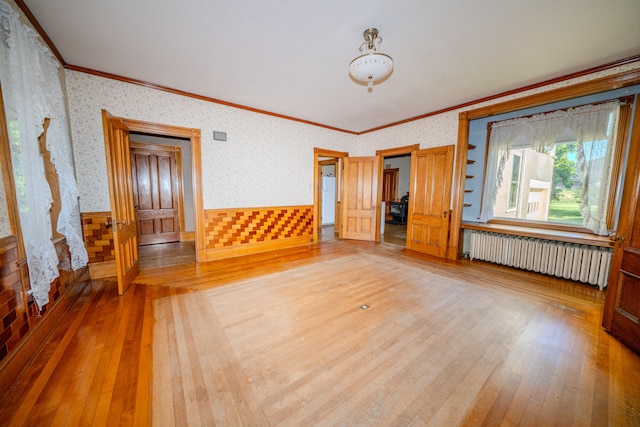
(372, 65)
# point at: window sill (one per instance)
(539, 233)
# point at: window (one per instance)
(543, 186)
(559, 167)
(515, 182)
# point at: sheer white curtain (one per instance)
(595, 128)
(32, 92)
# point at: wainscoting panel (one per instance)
(13, 309)
(228, 233)
(98, 238)
(234, 232)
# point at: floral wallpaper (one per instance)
(442, 129)
(266, 161)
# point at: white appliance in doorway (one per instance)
(328, 200)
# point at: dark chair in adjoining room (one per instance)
(398, 211)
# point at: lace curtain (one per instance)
(32, 92)
(595, 128)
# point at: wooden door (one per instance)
(389, 188)
(125, 238)
(360, 184)
(622, 303)
(429, 200)
(154, 172)
(390, 185)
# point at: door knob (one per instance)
(616, 238)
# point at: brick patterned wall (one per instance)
(18, 317)
(97, 237)
(12, 307)
(236, 227)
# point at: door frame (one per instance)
(629, 205)
(398, 151)
(321, 164)
(317, 182)
(194, 136)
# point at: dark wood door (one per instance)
(390, 185)
(125, 238)
(360, 181)
(429, 200)
(389, 188)
(155, 193)
(622, 304)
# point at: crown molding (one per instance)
(543, 83)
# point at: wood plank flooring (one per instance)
(281, 339)
(166, 254)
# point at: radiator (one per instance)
(583, 263)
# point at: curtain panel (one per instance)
(29, 74)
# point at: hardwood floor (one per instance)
(395, 233)
(166, 254)
(327, 233)
(281, 339)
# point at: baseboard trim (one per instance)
(254, 248)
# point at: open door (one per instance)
(360, 186)
(429, 200)
(116, 141)
(622, 304)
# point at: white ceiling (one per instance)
(291, 57)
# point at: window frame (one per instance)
(624, 121)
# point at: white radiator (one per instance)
(583, 263)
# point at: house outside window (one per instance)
(542, 186)
(512, 199)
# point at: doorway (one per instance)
(396, 175)
(325, 162)
(329, 199)
(395, 181)
(164, 204)
(117, 148)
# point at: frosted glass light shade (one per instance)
(371, 67)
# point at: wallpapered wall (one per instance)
(266, 161)
(442, 129)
